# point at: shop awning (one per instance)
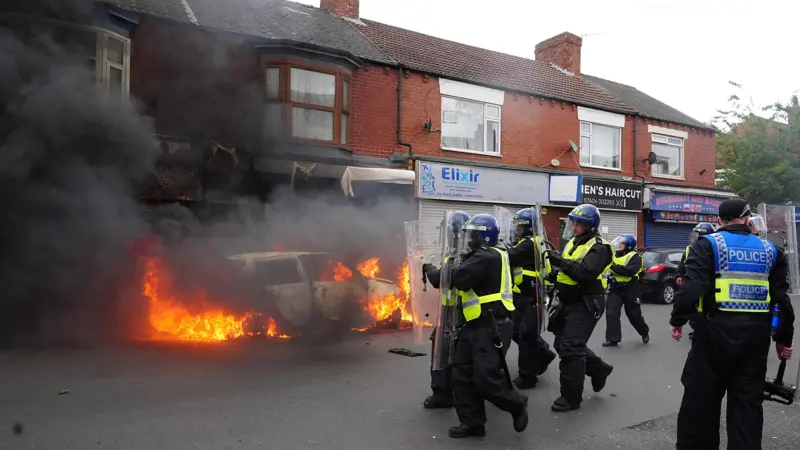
(380, 175)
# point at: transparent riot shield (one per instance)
(542, 296)
(792, 254)
(504, 218)
(416, 285)
(449, 308)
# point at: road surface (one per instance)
(348, 395)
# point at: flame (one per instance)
(171, 319)
(272, 330)
(340, 272)
(370, 268)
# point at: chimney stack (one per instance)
(563, 50)
(344, 8)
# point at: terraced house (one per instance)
(323, 98)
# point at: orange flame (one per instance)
(340, 272)
(171, 319)
(370, 268)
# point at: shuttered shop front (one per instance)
(667, 235)
(673, 215)
(614, 223)
(472, 189)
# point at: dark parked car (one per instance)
(660, 269)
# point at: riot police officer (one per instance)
(758, 226)
(624, 291)
(700, 229)
(732, 281)
(441, 380)
(581, 289)
(482, 342)
(525, 257)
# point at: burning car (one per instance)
(312, 291)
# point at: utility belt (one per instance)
(736, 317)
(487, 319)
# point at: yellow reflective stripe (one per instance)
(578, 255)
(472, 305)
(623, 261)
(729, 288)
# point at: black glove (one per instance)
(555, 258)
(425, 268)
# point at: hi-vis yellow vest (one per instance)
(624, 260)
(520, 273)
(578, 255)
(449, 298)
(742, 264)
(472, 304)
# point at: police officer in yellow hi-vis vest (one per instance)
(441, 382)
(741, 279)
(581, 290)
(525, 256)
(479, 367)
(625, 291)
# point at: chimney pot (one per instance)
(344, 8)
(563, 50)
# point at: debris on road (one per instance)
(63, 391)
(405, 352)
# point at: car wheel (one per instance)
(668, 294)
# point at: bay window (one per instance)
(669, 156)
(469, 125)
(313, 104)
(600, 145)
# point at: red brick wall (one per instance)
(196, 83)
(699, 154)
(373, 126)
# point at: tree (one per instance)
(759, 155)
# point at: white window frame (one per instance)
(589, 135)
(486, 120)
(663, 139)
(102, 64)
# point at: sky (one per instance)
(681, 52)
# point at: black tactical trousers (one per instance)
(627, 297)
(573, 329)
(534, 352)
(478, 374)
(441, 380)
(728, 355)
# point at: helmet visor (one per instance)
(619, 243)
(573, 228)
(472, 237)
(758, 226)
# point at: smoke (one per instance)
(73, 161)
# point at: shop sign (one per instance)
(480, 184)
(606, 194)
(699, 204)
(668, 216)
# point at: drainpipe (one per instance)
(400, 114)
(635, 148)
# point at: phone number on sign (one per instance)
(609, 202)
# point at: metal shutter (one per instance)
(431, 213)
(617, 223)
(667, 235)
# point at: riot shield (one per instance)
(416, 285)
(449, 307)
(504, 221)
(542, 300)
(780, 231)
(792, 254)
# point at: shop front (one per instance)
(472, 189)
(619, 202)
(672, 215)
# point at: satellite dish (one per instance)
(573, 146)
(652, 158)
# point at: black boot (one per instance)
(562, 405)
(525, 383)
(646, 338)
(551, 355)
(463, 431)
(610, 344)
(438, 401)
(521, 419)
(599, 380)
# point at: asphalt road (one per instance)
(345, 395)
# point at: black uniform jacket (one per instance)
(585, 272)
(481, 272)
(524, 256)
(699, 281)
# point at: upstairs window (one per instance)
(601, 145)
(470, 126)
(313, 104)
(106, 54)
(669, 156)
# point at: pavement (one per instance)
(350, 395)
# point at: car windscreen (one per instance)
(651, 258)
(275, 272)
(325, 268)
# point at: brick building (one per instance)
(324, 96)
